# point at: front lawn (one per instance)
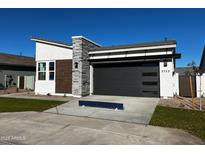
(189, 120)
(19, 105)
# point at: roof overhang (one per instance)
(85, 38)
(132, 49)
(52, 43)
(138, 59)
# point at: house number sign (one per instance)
(165, 71)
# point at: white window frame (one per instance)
(49, 71)
(38, 71)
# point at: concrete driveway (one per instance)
(136, 109)
(46, 128)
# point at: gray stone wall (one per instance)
(81, 75)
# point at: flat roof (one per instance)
(136, 45)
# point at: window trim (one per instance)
(51, 71)
(39, 71)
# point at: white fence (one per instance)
(28, 82)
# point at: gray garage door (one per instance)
(127, 79)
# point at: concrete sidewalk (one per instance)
(45, 128)
(136, 109)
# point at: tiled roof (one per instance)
(16, 60)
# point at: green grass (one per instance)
(189, 120)
(19, 105)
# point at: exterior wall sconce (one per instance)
(165, 64)
(76, 65)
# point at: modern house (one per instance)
(14, 68)
(86, 68)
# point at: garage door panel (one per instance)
(149, 78)
(150, 88)
(150, 93)
(127, 79)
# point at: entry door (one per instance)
(21, 84)
(127, 79)
(64, 76)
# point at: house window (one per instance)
(51, 70)
(42, 71)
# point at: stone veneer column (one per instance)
(81, 75)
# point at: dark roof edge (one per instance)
(153, 57)
(202, 58)
(145, 44)
(18, 65)
(2, 53)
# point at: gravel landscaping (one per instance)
(183, 103)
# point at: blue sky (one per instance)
(105, 26)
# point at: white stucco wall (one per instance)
(49, 53)
(45, 87)
(91, 79)
(200, 85)
(176, 84)
(166, 79)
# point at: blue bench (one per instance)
(108, 105)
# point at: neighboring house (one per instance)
(202, 63)
(14, 68)
(86, 68)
